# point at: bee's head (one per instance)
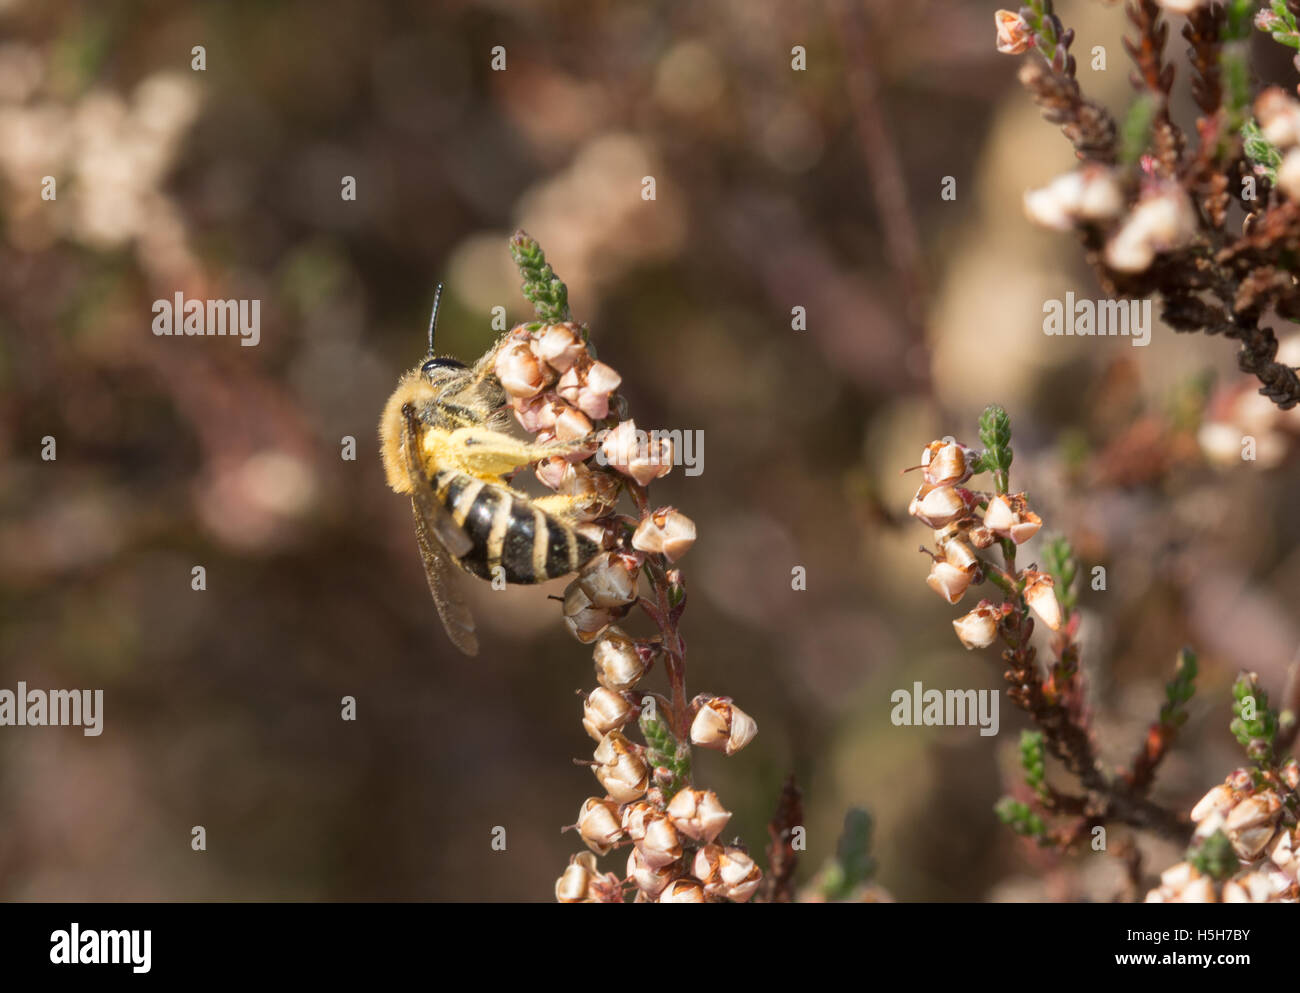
(435, 369)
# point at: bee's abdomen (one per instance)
(508, 531)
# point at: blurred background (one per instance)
(775, 188)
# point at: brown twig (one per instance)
(782, 858)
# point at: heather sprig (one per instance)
(1151, 208)
(967, 522)
(558, 391)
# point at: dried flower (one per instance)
(517, 368)
(583, 883)
(620, 768)
(727, 873)
(1040, 594)
(619, 666)
(666, 531)
(657, 840)
(946, 463)
(598, 824)
(979, 628)
(559, 345)
(649, 879)
(604, 711)
(721, 725)
(698, 814)
(936, 506)
(683, 891)
(950, 581)
(1250, 824)
(583, 618)
(608, 580)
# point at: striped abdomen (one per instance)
(508, 531)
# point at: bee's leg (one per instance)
(566, 508)
(488, 454)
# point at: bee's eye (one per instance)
(432, 364)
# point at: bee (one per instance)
(443, 443)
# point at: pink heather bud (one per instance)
(936, 506)
(1288, 174)
(1284, 851)
(618, 664)
(1290, 773)
(726, 872)
(1040, 594)
(1160, 222)
(620, 444)
(1181, 7)
(520, 373)
(537, 413)
(608, 580)
(598, 824)
(948, 580)
(1279, 117)
(641, 458)
(1182, 883)
(571, 425)
(1264, 884)
(721, 725)
(620, 768)
(604, 711)
(682, 891)
(1090, 193)
(575, 884)
(1014, 33)
(551, 471)
(649, 879)
(583, 618)
(1219, 800)
(698, 814)
(559, 346)
(946, 463)
(979, 628)
(1266, 20)
(593, 396)
(1250, 824)
(665, 532)
(594, 493)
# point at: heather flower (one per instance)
(1161, 222)
(666, 532)
(721, 725)
(1014, 33)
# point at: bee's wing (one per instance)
(439, 537)
(440, 572)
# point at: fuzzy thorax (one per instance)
(415, 389)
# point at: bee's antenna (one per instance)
(433, 319)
